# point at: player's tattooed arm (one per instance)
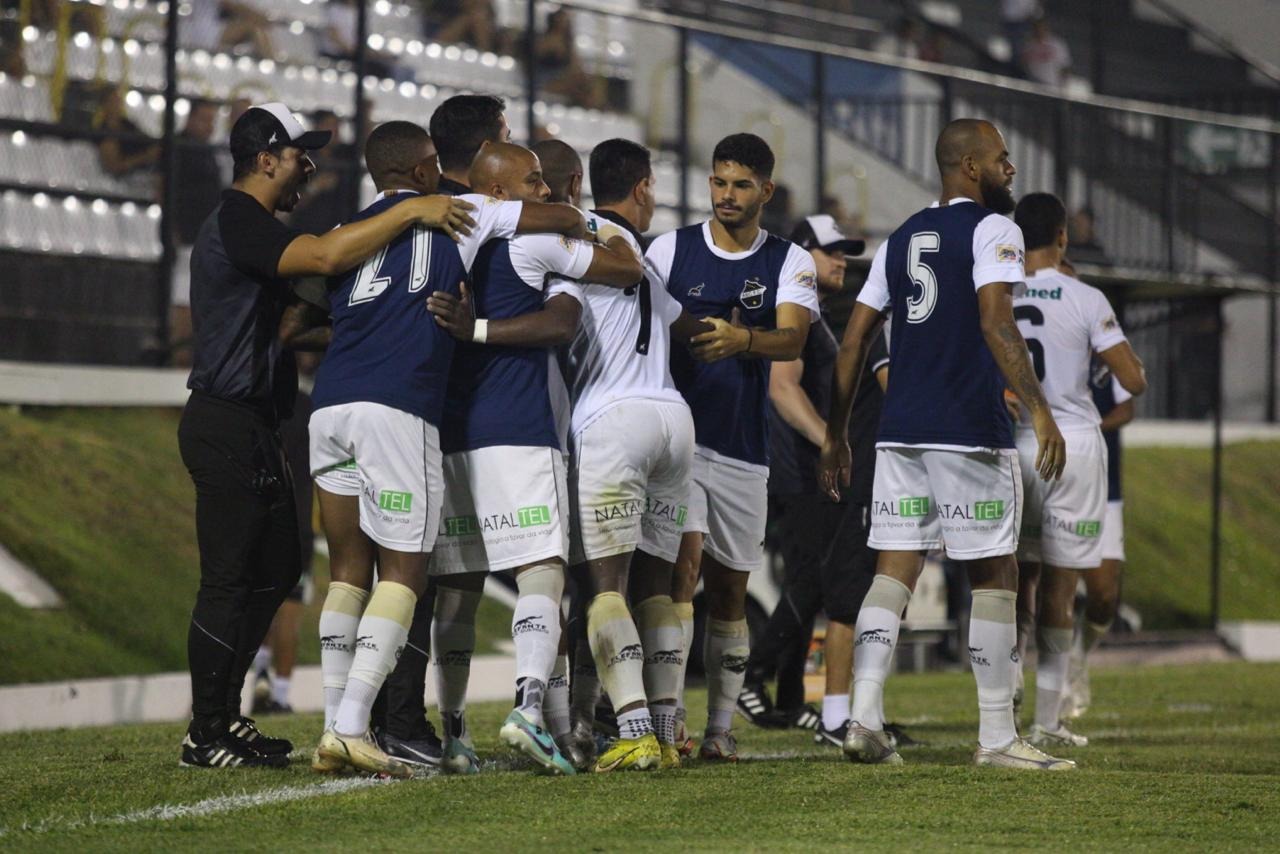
(550, 326)
(1009, 349)
(836, 460)
(305, 327)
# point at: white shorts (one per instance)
(969, 502)
(504, 507)
(730, 505)
(629, 480)
(397, 470)
(1113, 531)
(1063, 520)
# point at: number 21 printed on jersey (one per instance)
(371, 280)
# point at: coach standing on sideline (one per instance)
(242, 383)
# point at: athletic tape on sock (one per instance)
(888, 593)
(616, 648)
(996, 606)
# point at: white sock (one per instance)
(615, 645)
(725, 656)
(453, 640)
(280, 690)
(379, 638)
(535, 629)
(339, 619)
(875, 639)
(993, 642)
(684, 612)
(635, 723)
(1054, 653)
(835, 710)
(262, 659)
(556, 704)
(663, 640)
(664, 721)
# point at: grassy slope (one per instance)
(1185, 758)
(99, 503)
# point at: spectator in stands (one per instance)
(1017, 16)
(1083, 239)
(338, 41)
(777, 217)
(195, 197)
(11, 59)
(226, 25)
(933, 45)
(1045, 57)
(559, 67)
(330, 196)
(125, 150)
(902, 41)
(470, 22)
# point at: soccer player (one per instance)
(1064, 322)
(1102, 586)
(722, 270)
(505, 501)
(946, 468)
(460, 126)
(378, 399)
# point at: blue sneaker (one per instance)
(459, 757)
(534, 741)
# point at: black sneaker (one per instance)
(244, 730)
(227, 752)
(269, 706)
(831, 737)
(805, 717)
(899, 738)
(422, 752)
(754, 705)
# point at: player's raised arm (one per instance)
(346, 246)
(836, 459)
(613, 261)
(1009, 349)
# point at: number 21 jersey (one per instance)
(945, 389)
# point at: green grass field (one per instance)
(1183, 758)
(98, 502)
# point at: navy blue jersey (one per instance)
(499, 395)
(386, 348)
(730, 398)
(1102, 384)
(945, 388)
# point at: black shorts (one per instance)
(825, 543)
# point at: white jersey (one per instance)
(1065, 321)
(622, 347)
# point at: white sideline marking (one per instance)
(200, 809)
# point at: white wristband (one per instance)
(480, 331)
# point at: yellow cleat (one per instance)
(325, 765)
(631, 754)
(361, 753)
(670, 757)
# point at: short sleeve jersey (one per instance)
(237, 300)
(499, 395)
(1065, 322)
(386, 347)
(945, 389)
(730, 398)
(1107, 395)
(622, 348)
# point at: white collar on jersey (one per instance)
(761, 237)
(956, 201)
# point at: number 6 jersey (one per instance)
(386, 347)
(945, 389)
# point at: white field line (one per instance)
(200, 809)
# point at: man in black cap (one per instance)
(824, 545)
(243, 381)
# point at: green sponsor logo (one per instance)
(349, 464)
(681, 512)
(395, 502)
(461, 526)
(538, 514)
(913, 506)
(988, 511)
(1089, 528)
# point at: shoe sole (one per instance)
(1021, 764)
(393, 768)
(513, 736)
(416, 760)
(863, 750)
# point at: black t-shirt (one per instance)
(237, 300)
(199, 186)
(794, 459)
(450, 187)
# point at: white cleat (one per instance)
(1060, 737)
(1019, 754)
(870, 747)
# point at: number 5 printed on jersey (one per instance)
(920, 307)
(372, 280)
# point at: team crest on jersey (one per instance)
(1007, 253)
(566, 243)
(752, 295)
(807, 279)
(696, 290)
